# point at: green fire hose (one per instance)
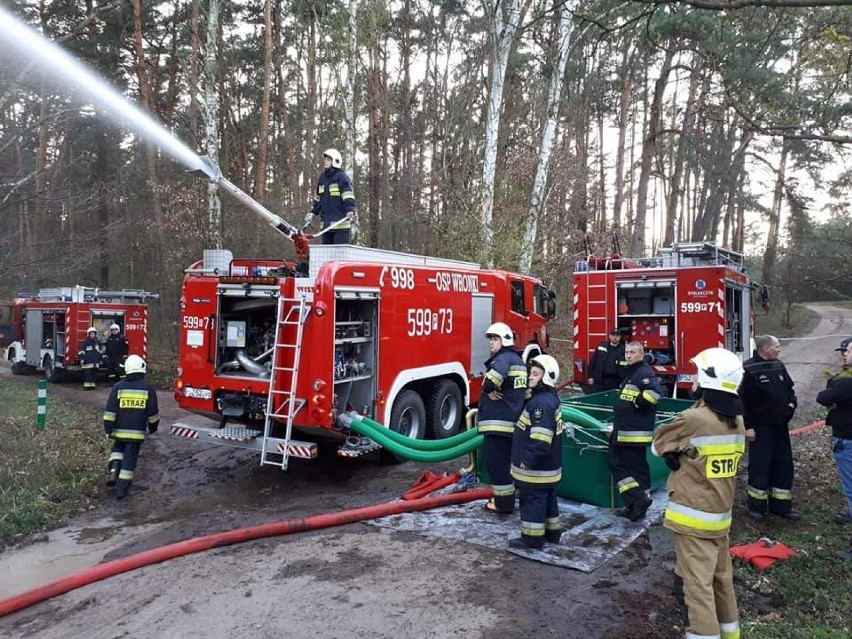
(380, 435)
(423, 444)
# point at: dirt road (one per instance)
(353, 581)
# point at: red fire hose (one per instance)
(198, 544)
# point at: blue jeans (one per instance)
(842, 449)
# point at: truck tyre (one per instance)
(50, 373)
(408, 417)
(444, 409)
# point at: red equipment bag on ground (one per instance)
(763, 553)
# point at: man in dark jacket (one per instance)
(116, 353)
(838, 397)
(334, 200)
(500, 404)
(635, 412)
(131, 410)
(607, 363)
(769, 403)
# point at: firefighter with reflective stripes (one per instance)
(635, 412)
(131, 410)
(334, 200)
(500, 404)
(90, 355)
(607, 363)
(769, 403)
(703, 447)
(537, 457)
(116, 352)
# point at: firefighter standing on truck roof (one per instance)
(90, 355)
(131, 410)
(116, 352)
(770, 402)
(537, 457)
(500, 404)
(334, 200)
(634, 414)
(607, 363)
(703, 447)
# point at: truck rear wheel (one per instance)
(444, 409)
(408, 417)
(51, 374)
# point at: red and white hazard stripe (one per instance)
(184, 432)
(294, 450)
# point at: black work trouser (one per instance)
(336, 237)
(770, 470)
(629, 467)
(90, 378)
(497, 451)
(126, 452)
(539, 512)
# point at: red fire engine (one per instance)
(393, 336)
(690, 297)
(50, 326)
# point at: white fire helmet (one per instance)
(134, 364)
(719, 369)
(92, 329)
(114, 327)
(550, 366)
(335, 157)
(501, 330)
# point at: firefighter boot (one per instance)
(112, 472)
(525, 542)
(553, 536)
(639, 509)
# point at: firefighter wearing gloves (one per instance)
(634, 413)
(537, 457)
(131, 410)
(334, 200)
(116, 353)
(769, 404)
(90, 355)
(703, 447)
(500, 404)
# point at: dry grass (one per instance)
(45, 476)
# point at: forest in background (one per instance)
(519, 133)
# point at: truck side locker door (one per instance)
(481, 318)
(33, 336)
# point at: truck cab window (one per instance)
(519, 304)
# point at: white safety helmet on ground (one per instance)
(501, 330)
(114, 327)
(92, 329)
(134, 364)
(719, 369)
(550, 366)
(335, 157)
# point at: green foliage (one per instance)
(45, 476)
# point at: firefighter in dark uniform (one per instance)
(334, 200)
(769, 401)
(703, 447)
(131, 410)
(537, 457)
(607, 363)
(90, 355)
(116, 352)
(500, 404)
(635, 412)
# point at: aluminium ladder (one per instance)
(283, 405)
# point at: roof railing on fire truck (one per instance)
(93, 294)
(677, 255)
